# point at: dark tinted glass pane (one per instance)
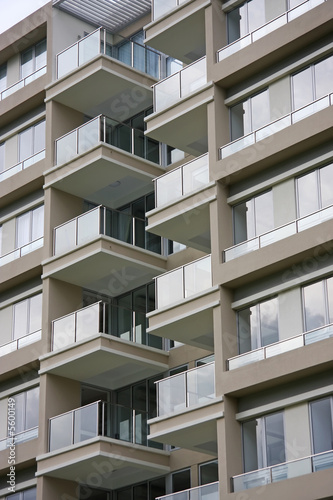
(321, 418)
(209, 473)
(181, 480)
(275, 447)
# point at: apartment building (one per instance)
(166, 269)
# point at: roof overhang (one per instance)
(113, 15)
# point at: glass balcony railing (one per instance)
(22, 83)
(19, 252)
(183, 282)
(98, 419)
(179, 85)
(205, 492)
(161, 7)
(278, 233)
(280, 347)
(186, 389)
(20, 437)
(98, 42)
(270, 26)
(22, 165)
(21, 342)
(276, 126)
(294, 468)
(102, 221)
(106, 130)
(102, 318)
(181, 181)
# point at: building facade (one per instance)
(166, 269)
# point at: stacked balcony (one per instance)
(187, 409)
(182, 198)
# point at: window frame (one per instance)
(34, 59)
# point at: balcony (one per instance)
(20, 437)
(109, 439)
(108, 131)
(98, 42)
(281, 347)
(183, 195)
(205, 492)
(276, 126)
(98, 419)
(92, 75)
(17, 344)
(187, 409)
(185, 298)
(102, 221)
(22, 83)
(278, 233)
(267, 28)
(19, 167)
(175, 20)
(20, 252)
(287, 470)
(105, 249)
(310, 125)
(180, 85)
(180, 103)
(90, 346)
(187, 389)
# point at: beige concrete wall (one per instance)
(13, 70)
(290, 324)
(6, 319)
(284, 203)
(11, 151)
(8, 236)
(279, 98)
(297, 432)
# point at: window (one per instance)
(318, 304)
(208, 472)
(314, 190)
(29, 494)
(31, 141)
(181, 480)
(33, 59)
(149, 490)
(3, 77)
(312, 83)
(26, 410)
(29, 226)
(249, 115)
(27, 316)
(2, 157)
(263, 442)
(321, 425)
(127, 314)
(245, 19)
(258, 325)
(253, 217)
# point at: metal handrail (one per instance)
(22, 80)
(288, 115)
(177, 72)
(293, 222)
(5, 172)
(20, 249)
(284, 463)
(184, 372)
(280, 16)
(279, 342)
(101, 30)
(187, 490)
(17, 341)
